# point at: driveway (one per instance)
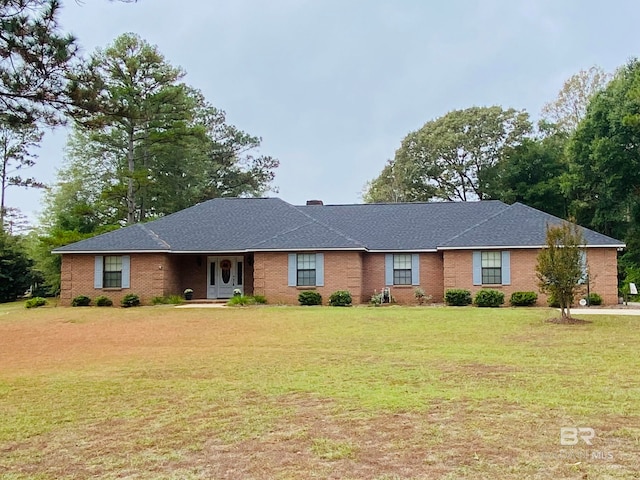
(632, 308)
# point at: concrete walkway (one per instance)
(604, 311)
(203, 305)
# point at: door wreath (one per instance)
(225, 266)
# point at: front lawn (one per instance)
(318, 392)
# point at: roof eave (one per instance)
(403, 250)
(523, 247)
(103, 252)
(310, 249)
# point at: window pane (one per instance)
(402, 262)
(112, 280)
(306, 269)
(402, 269)
(239, 276)
(113, 264)
(306, 278)
(402, 277)
(212, 273)
(492, 276)
(491, 259)
(112, 272)
(306, 261)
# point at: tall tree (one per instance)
(232, 166)
(605, 157)
(560, 268)
(138, 96)
(447, 158)
(570, 107)
(15, 268)
(16, 222)
(34, 59)
(16, 154)
(533, 173)
(398, 183)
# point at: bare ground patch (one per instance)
(568, 321)
(178, 414)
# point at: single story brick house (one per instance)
(269, 247)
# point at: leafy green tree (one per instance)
(161, 146)
(605, 158)
(188, 164)
(560, 269)
(133, 93)
(16, 222)
(16, 144)
(397, 183)
(145, 146)
(34, 60)
(231, 166)
(532, 173)
(74, 209)
(15, 268)
(448, 157)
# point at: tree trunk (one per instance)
(131, 201)
(144, 187)
(5, 162)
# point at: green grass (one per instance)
(289, 392)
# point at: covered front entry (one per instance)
(224, 275)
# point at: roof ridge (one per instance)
(329, 227)
(312, 220)
(154, 235)
(297, 227)
(468, 229)
(426, 202)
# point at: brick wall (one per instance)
(342, 271)
(431, 279)
(458, 273)
(603, 273)
(360, 273)
(151, 275)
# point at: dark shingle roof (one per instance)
(252, 224)
(404, 226)
(219, 225)
(518, 225)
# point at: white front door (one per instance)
(224, 275)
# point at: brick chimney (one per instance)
(314, 202)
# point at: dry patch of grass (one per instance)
(284, 393)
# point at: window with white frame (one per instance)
(491, 268)
(402, 269)
(112, 272)
(306, 269)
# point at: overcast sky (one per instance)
(332, 86)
